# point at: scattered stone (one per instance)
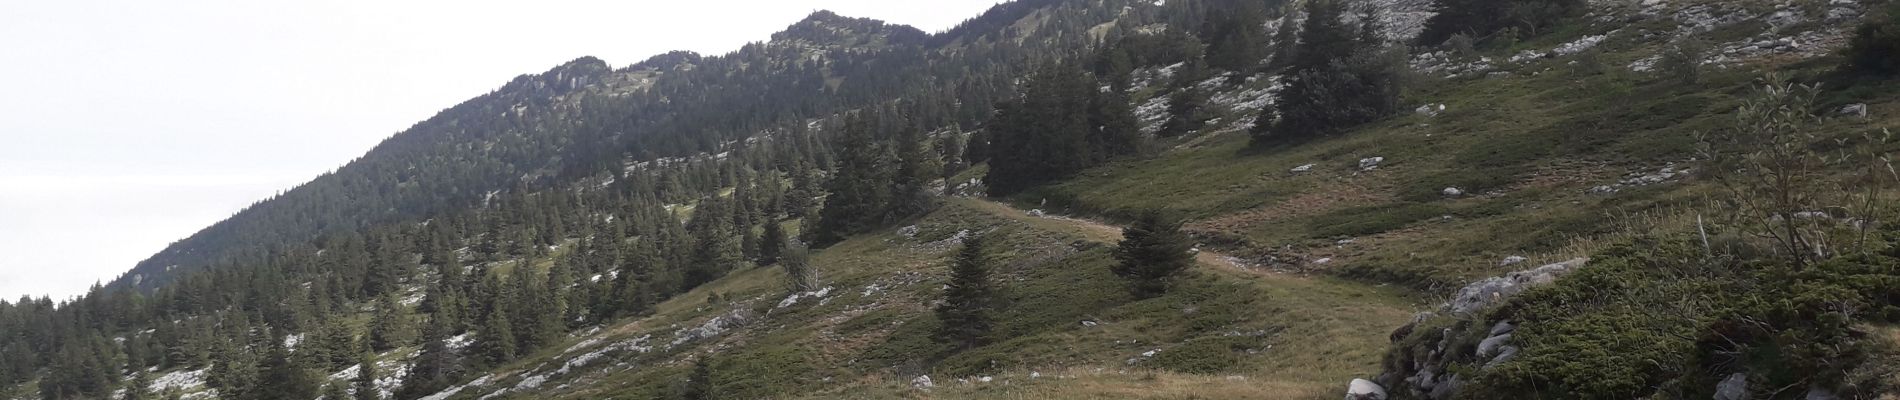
(1037, 213)
(1453, 192)
(1303, 169)
(1512, 260)
(922, 382)
(1323, 261)
(1362, 389)
(1430, 110)
(1034, 374)
(1733, 388)
(1368, 164)
(1855, 110)
(1088, 323)
(908, 231)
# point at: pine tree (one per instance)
(1236, 37)
(434, 367)
(389, 328)
(859, 193)
(495, 340)
(773, 243)
(1044, 136)
(365, 381)
(233, 373)
(140, 388)
(1117, 132)
(282, 378)
(1152, 252)
(716, 248)
(968, 299)
(699, 385)
(1341, 76)
(1185, 112)
(1875, 47)
(335, 391)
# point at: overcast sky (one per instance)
(128, 124)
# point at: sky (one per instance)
(126, 125)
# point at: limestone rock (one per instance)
(1362, 389)
(1491, 291)
(1368, 164)
(922, 382)
(1733, 388)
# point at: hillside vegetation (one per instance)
(1436, 199)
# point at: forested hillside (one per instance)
(1079, 199)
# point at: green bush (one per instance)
(1875, 49)
(1663, 319)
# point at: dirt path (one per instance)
(1335, 329)
(1102, 232)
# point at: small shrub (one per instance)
(1682, 62)
(1875, 49)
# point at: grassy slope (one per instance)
(1526, 148)
(1222, 333)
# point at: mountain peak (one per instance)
(828, 29)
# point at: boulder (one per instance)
(1505, 353)
(1303, 168)
(1512, 260)
(1453, 192)
(1489, 347)
(1503, 327)
(1820, 393)
(922, 382)
(1361, 389)
(1733, 388)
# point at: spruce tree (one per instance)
(1152, 252)
(968, 299)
